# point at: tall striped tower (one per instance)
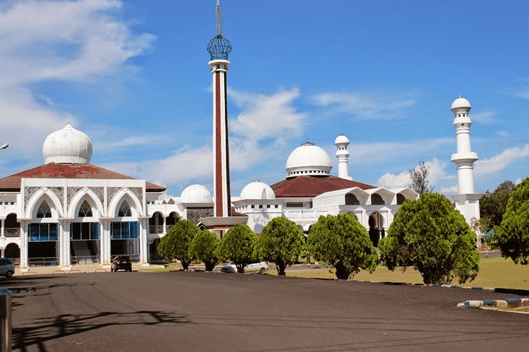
(219, 47)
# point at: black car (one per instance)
(121, 262)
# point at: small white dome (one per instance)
(195, 194)
(308, 159)
(341, 139)
(67, 146)
(460, 103)
(257, 190)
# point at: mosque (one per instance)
(68, 211)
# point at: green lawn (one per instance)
(493, 272)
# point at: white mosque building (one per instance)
(69, 211)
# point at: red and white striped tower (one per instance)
(219, 47)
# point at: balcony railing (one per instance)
(43, 261)
(83, 259)
(155, 228)
(12, 232)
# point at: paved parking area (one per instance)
(198, 311)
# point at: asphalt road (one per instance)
(194, 311)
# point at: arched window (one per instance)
(44, 211)
(85, 210)
(350, 199)
(124, 210)
(400, 199)
(376, 199)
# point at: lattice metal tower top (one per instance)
(219, 47)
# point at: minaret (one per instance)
(219, 47)
(467, 202)
(342, 154)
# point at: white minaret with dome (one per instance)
(467, 202)
(342, 154)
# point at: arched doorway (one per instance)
(13, 251)
(376, 230)
(153, 251)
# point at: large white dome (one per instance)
(308, 159)
(195, 194)
(67, 146)
(257, 190)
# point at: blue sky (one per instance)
(133, 75)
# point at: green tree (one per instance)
(433, 237)
(175, 244)
(341, 241)
(492, 206)
(418, 176)
(512, 235)
(203, 247)
(237, 245)
(281, 241)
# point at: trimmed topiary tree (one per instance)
(203, 248)
(433, 237)
(512, 236)
(281, 241)
(175, 244)
(237, 245)
(344, 243)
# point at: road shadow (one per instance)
(47, 329)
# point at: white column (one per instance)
(24, 260)
(144, 225)
(105, 238)
(64, 244)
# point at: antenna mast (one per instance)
(219, 19)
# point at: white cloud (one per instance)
(266, 116)
(394, 181)
(449, 190)
(501, 161)
(503, 134)
(366, 106)
(71, 41)
(436, 174)
(389, 151)
(263, 125)
(485, 117)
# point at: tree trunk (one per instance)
(341, 272)
(281, 269)
(210, 266)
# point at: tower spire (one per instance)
(219, 20)
(219, 46)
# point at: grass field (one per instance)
(493, 272)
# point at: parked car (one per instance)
(121, 262)
(7, 268)
(257, 267)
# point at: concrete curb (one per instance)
(496, 303)
(492, 303)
